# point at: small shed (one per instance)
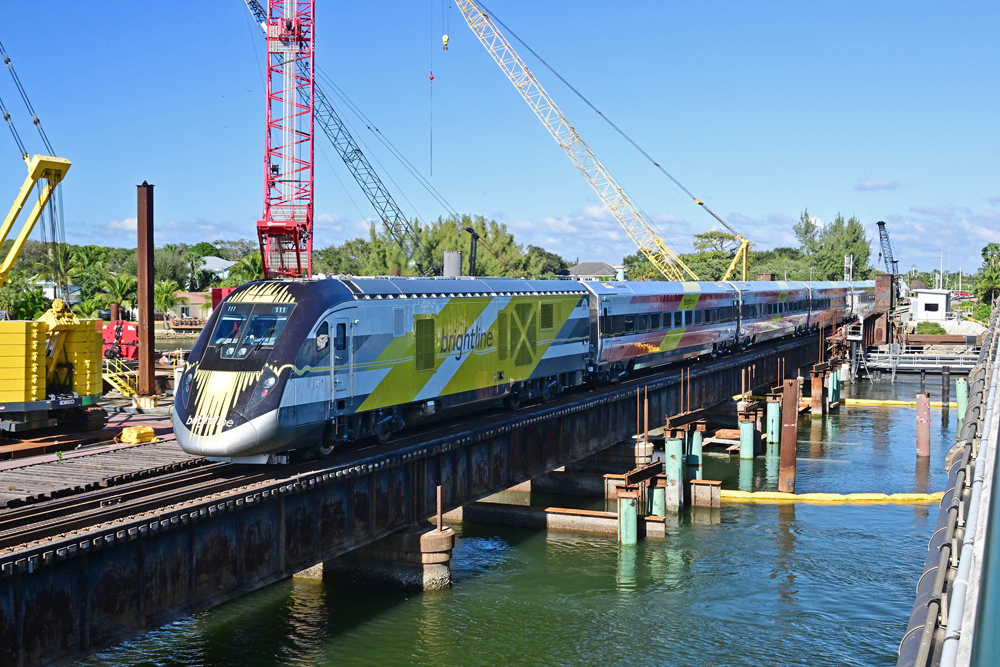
(930, 305)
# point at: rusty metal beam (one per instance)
(147, 379)
(643, 473)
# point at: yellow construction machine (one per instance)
(50, 369)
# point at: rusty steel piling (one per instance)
(145, 296)
(923, 424)
(789, 437)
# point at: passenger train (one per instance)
(287, 365)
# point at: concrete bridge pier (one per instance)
(415, 558)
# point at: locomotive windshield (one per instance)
(244, 328)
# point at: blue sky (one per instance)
(881, 110)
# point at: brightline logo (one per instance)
(474, 338)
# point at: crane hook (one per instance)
(444, 38)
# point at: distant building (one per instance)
(595, 271)
(218, 266)
(930, 305)
(199, 304)
(71, 296)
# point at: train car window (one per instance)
(617, 325)
(654, 321)
(606, 325)
(340, 340)
(629, 323)
(688, 317)
(322, 336)
(502, 336)
(642, 322)
(699, 317)
(398, 325)
(424, 350)
(547, 316)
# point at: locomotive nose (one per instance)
(242, 440)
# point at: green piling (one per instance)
(658, 500)
(628, 517)
(773, 422)
(746, 440)
(673, 468)
(962, 391)
(695, 457)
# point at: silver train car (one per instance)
(285, 365)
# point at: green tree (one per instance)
(807, 232)
(23, 300)
(165, 295)
(232, 251)
(720, 242)
(247, 269)
(838, 239)
(120, 289)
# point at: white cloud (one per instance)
(128, 224)
(869, 183)
(993, 200)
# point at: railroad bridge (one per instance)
(113, 564)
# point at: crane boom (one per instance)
(600, 179)
(888, 256)
(396, 224)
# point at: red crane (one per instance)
(285, 232)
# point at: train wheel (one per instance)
(324, 450)
(512, 402)
(383, 438)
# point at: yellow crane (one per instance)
(631, 219)
(40, 166)
(600, 179)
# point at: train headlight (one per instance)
(268, 380)
(185, 390)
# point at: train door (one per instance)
(343, 358)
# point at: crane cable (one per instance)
(13, 130)
(54, 223)
(606, 119)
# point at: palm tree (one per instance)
(991, 255)
(165, 295)
(193, 260)
(247, 269)
(89, 257)
(58, 267)
(120, 289)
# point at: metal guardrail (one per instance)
(942, 627)
(908, 359)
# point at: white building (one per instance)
(930, 305)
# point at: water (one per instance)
(750, 584)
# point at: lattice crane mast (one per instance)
(396, 224)
(888, 256)
(285, 230)
(600, 179)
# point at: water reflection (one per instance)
(627, 558)
(746, 474)
(784, 567)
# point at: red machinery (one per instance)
(285, 232)
(121, 340)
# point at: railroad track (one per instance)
(57, 517)
(39, 522)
